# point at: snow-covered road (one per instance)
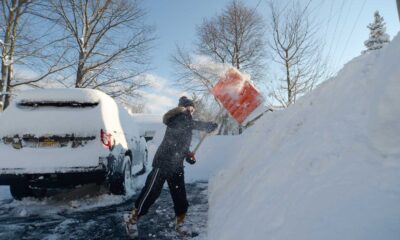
(98, 217)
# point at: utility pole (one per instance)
(398, 8)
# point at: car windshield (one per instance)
(58, 104)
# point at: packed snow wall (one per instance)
(327, 167)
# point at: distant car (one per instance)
(66, 137)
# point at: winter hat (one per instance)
(185, 102)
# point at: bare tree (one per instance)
(110, 42)
(297, 50)
(11, 14)
(24, 44)
(235, 37)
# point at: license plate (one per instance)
(49, 143)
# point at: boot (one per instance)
(180, 219)
(131, 224)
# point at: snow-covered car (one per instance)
(66, 137)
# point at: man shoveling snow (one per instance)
(168, 164)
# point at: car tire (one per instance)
(122, 182)
(20, 190)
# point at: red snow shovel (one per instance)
(238, 96)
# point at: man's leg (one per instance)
(176, 184)
(150, 192)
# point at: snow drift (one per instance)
(325, 168)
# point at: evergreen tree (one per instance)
(377, 36)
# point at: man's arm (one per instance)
(204, 126)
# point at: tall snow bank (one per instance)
(211, 157)
(326, 168)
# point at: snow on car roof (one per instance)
(61, 95)
(58, 121)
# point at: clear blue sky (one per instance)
(343, 30)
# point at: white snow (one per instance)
(81, 122)
(82, 198)
(210, 159)
(17, 120)
(325, 168)
(61, 121)
(61, 94)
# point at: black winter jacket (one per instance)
(178, 136)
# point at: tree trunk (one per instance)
(8, 88)
(79, 72)
(288, 82)
(3, 76)
(10, 38)
(6, 54)
(3, 90)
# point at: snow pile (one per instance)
(210, 158)
(326, 168)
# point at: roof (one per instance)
(61, 94)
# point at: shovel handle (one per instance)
(205, 135)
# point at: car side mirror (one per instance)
(148, 138)
(148, 135)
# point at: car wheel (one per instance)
(123, 183)
(20, 190)
(39, 192)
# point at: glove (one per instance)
(211, 127)
(190, 158)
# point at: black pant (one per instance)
(152, 190)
